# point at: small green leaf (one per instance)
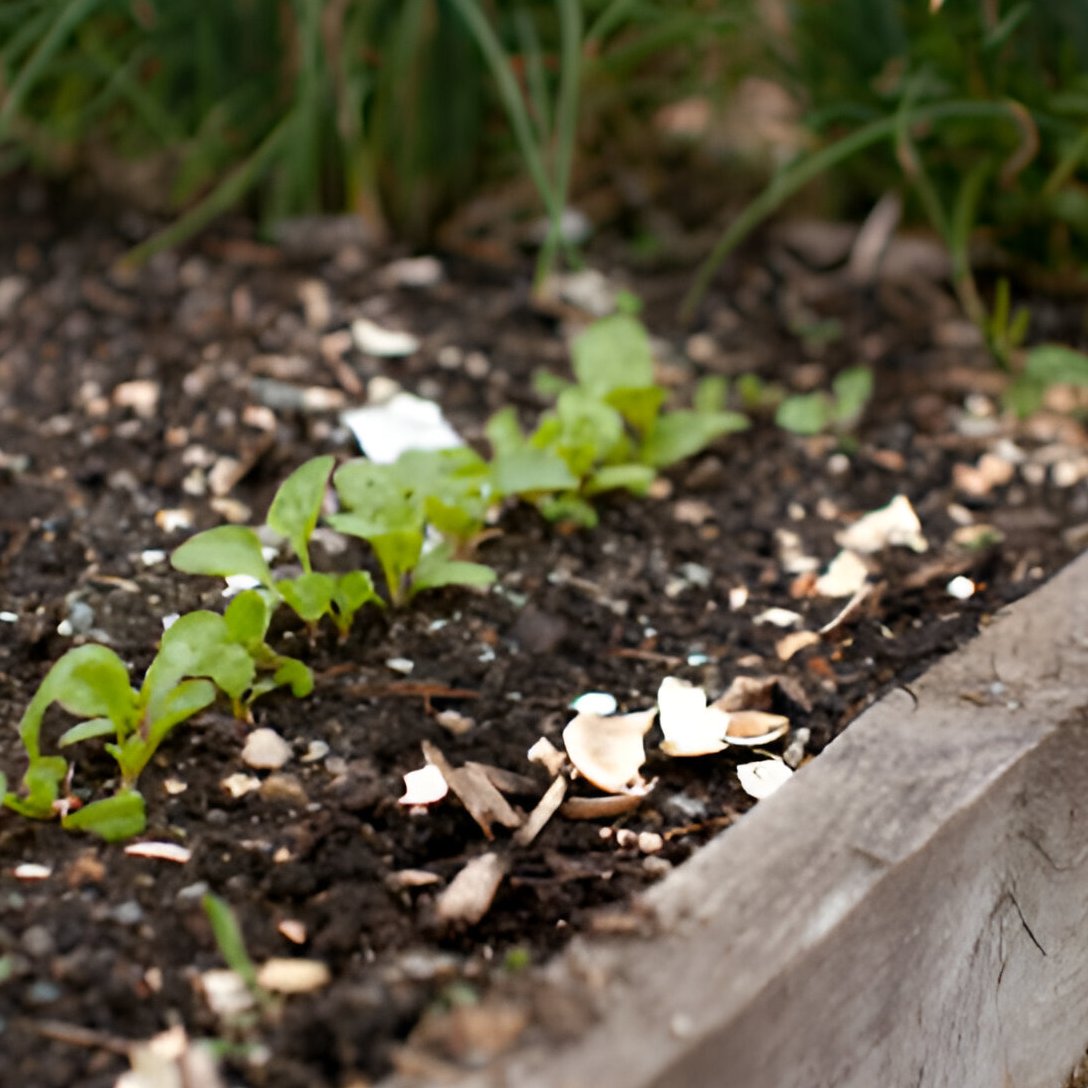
(247, 617)
(41, 787)
(297, 505)
(294, 674)
(711, 394)
(504, 433)
(613, 353)
(633, 478)
(805, 413)
(548, 385)
(569, 506)
(232, 945)
(1055, 364)
(113, 818)
(373, 491)
(436, 569)
(187, 699)
(309, 595)
(352, 590)
(529, 471)
(683, 433)
(853, 389)
(221, 552)
(639, 406)
(96, 727)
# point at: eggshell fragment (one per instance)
(894, 525)
(845, 575)
(691, 728)
(427, 786)
(286, 975)
(751, 728)
(764, 777)
(609, 752)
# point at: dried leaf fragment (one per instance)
(845, 575)
(475, 790)
(548, 756)
(609, 752)
(545, 809)
(472, 891)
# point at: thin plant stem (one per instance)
(796, 176)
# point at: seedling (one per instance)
(232, 947)
(199, 653)
(388, 506)
(838, 411)
(607, 431)
(232, 550)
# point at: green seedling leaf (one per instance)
(613, 353)
(633, 478)
(294, 674)
(197, 644)
(852, 389)
(805, 413)
(247, 618)
(1055, 364)
(113, 818)
(374, 491)
(309, 595)
(682, 433)
(221, 552)
(89, 730)
(92, 681)
(350, 592)
(548, 385)
(571, 507)
(528, 471)
(397, 549)
(297, 505)
(231, 943)
(41, 787)
(639, 406)
(504, 433)
(436, 568)
(711, 394)
(588, 431)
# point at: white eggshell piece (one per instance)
(764, 777)
(609, 751)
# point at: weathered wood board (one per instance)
(911, 910)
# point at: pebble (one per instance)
(284, 789)
(265, 750)
(129, 913)
(37, 941)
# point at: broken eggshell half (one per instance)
(609, 751)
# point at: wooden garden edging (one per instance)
(910, 910)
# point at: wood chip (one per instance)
(544, 811)
(472, 891)
(601, 808)
(285, 975)
(475, 790)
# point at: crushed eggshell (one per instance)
(961, 587)
(609, 751)
(427, 786)
(286, 975)
(548, 756)
(752, 728)
(170, 1059)
(381, 342)
(162, 851)
(778, 617)
(845, 575)
(691, 728)
(894, 525)
(226, 992)
(453, 721)
(293, 930)
(403, 422)
(28, 870)
(764, 777)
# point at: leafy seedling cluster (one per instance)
(200, 653)
(421, 516)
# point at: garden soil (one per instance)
(137, 407)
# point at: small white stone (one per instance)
(961, 587)
(381, 342)
(594, 702)
(265, 750)
(403, 665)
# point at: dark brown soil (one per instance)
(110, 948)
